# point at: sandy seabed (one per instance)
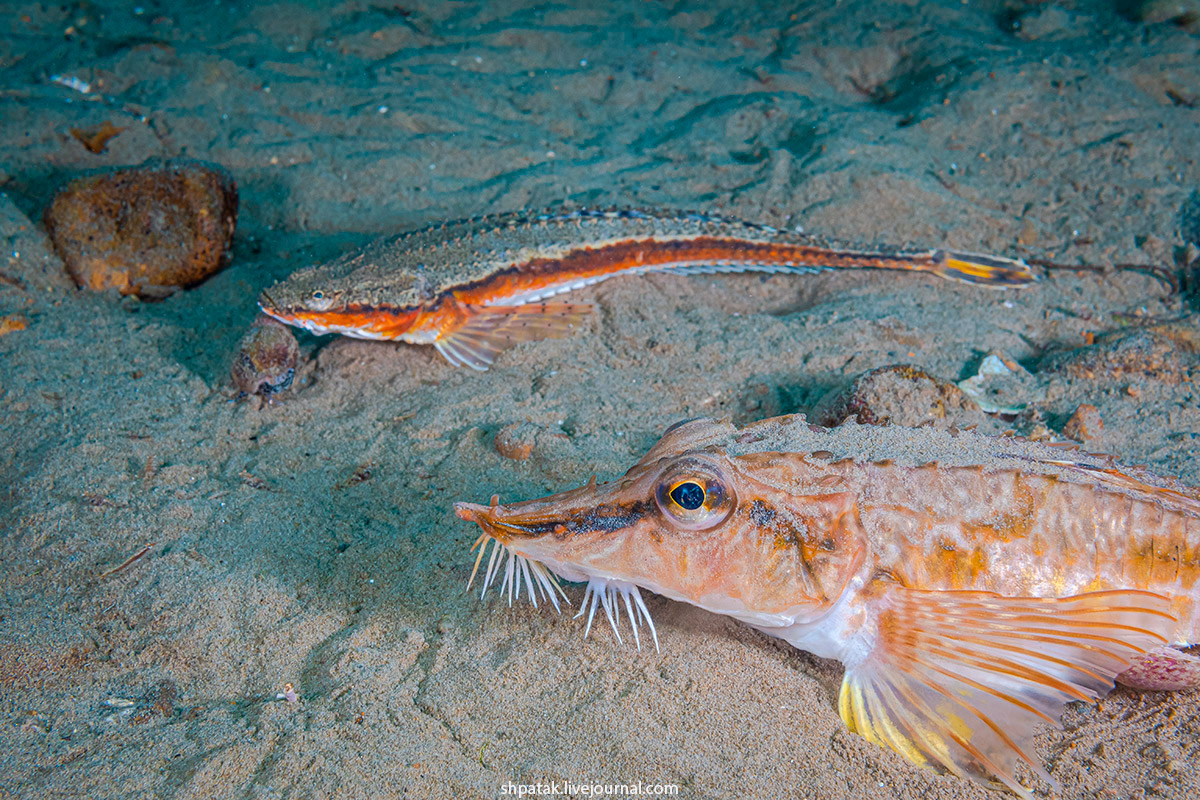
(311, 541)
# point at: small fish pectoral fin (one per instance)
(489, 330)
(958, 680)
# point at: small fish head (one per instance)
(692, 523)
(352, 295)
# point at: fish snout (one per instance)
(527, 521)
(266, 303)
(485, 517)
(471, 512)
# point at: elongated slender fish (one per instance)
(972, 586)
(475, 287)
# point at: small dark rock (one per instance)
(162, 697)
(266, 360)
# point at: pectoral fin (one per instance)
(958, 680)
(489, 330)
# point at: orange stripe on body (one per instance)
(612, 259)
(385, 321)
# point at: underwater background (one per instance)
(203, 595)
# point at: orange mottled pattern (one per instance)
(1026, 534)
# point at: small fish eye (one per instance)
(318, 295)
(689, 495)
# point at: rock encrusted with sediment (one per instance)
(147, 230)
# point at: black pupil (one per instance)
(688, 495)
(318, 295)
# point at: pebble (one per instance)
(1164, 353)
(516, 441)
(266, 360)
(1085, 423)
(147, 230)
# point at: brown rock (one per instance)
(266, 359)
(901, 394)
(162, 697)
(1085, 424)
(144, 230)
(1162, 352)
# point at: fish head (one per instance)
(696, 522)
(358, 295)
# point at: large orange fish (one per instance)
(475, 287)
(972, 586)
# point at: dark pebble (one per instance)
(266, 360)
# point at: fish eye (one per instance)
(693, 495)
(319, 301)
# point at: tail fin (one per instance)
(981, 270)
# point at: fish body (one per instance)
(971, 585)
(472, 288)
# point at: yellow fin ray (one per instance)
(959, 680)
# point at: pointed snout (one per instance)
(507, 522)
(471, 512)
(590, 509)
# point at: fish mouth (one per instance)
(268, 306)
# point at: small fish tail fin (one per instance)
(981, 270)
(486, 331)
(957, 680)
